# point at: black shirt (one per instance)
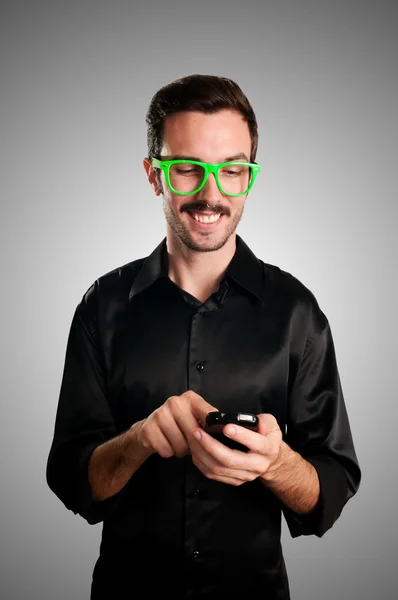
(259, 344)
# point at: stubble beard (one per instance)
(206, 245)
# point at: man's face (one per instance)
(213, 138)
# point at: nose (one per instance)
(210, 190)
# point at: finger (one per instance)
(186, 422)
(162, 446)
(151, 437)
(267, 424)
(214, 453)
(178, 409)
(203, 468)
(174, 435)
(199, 406)
(264, 444)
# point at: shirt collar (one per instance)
(153, 268)
(245, 269)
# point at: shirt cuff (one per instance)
(333, 496)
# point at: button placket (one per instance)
(196, 374)
(197, 363)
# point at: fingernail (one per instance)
(230, 431)
(197, 435)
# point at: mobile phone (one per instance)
(216, 421)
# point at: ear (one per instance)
(152, 178)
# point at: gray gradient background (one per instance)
(76, 80)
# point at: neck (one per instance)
(198, 273)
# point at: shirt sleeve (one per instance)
(318, 428)
(84, 418)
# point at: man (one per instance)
(198, 326)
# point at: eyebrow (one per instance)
(240, 156)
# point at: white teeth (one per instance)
(206, 218)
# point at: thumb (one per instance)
(267, 424)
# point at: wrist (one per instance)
(284, 463)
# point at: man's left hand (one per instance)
(216, 461)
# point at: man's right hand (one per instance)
(168, 429)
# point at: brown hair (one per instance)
(202, 93)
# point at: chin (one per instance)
(208, 244)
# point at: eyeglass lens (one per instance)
(233, 178)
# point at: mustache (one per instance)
(200, 205)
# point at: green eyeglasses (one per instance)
(187, 177)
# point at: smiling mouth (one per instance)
(205, 218)
(205, 214)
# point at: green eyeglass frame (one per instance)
(207, 168)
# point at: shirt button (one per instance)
(196, 553)
(200, 366)
(195, 492)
